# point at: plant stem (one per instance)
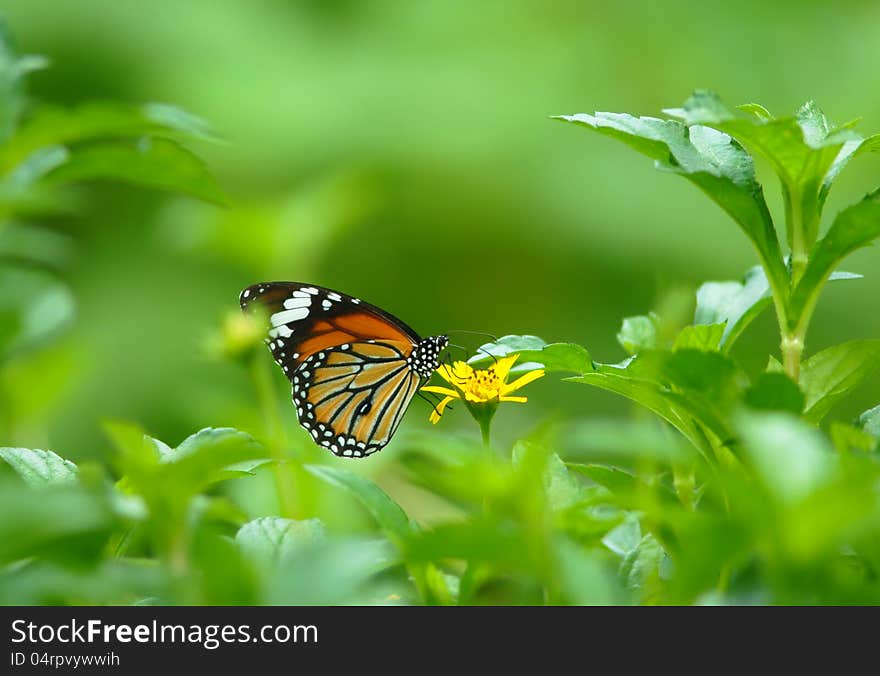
(792, 341)
(275, 436)
(795, 217)
(792, 349)
(485, 431)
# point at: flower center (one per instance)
(483, 385)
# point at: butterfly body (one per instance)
(353, 367)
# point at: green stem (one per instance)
(792, 348)
(799, 256)
(485, 431)
(276, 438)
(792, 341)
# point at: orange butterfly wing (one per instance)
(351, 400)
(352, 366)
(305, 319)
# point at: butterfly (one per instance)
(353, 367)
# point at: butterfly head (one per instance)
(425, 357)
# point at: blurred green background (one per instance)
(402, 152)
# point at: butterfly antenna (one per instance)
(486, 352)
(485, 334)
(459, 347)
(434, 404)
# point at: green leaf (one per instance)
(554, 358)
(68, 522)
(500, 543)
(336, 572)
(852, 148)
(638, 333)
(688, 386)
(561, 488)
(507, 345)
(791, 458)
(735, 304)
(94, 121)
(36, 166)
(213, 454)
(641, 567)
(510, 344)
(801, 149)
(624, 538)
(535, 354)
(614, 479)
(756, 109)
(738, 304)
(38, 467)
(869, 421)
(432, 586)
(273, 538)
(850, 439)
(853, 228)
(443, 588)
(702, 337)
(676, 409)
(171, 117)
(831, 374)
(584, 579)
(153, 163)
(206, 457)
(708, 373)
(711, 160)
(33, 306)
(219, 442)
(388, 514)
(13, 69)
(775, 392)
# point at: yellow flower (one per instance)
(479, 385)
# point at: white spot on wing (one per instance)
(282, 330)
(287, 316)
(334, 296)
(292, 303)
(326, 304)
(310, 289)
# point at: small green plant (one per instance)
(710, 145)
(48, 154)
(732, 488)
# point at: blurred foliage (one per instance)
(403, 150)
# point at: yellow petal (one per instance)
(521, 381)
(502, 367)
(456, 374)
(438, 410)
(445, 372)
(461, 372)
(440, 390)
(518, 400)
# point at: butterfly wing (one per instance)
(306, 319)
(346, 361)
(351, 398)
